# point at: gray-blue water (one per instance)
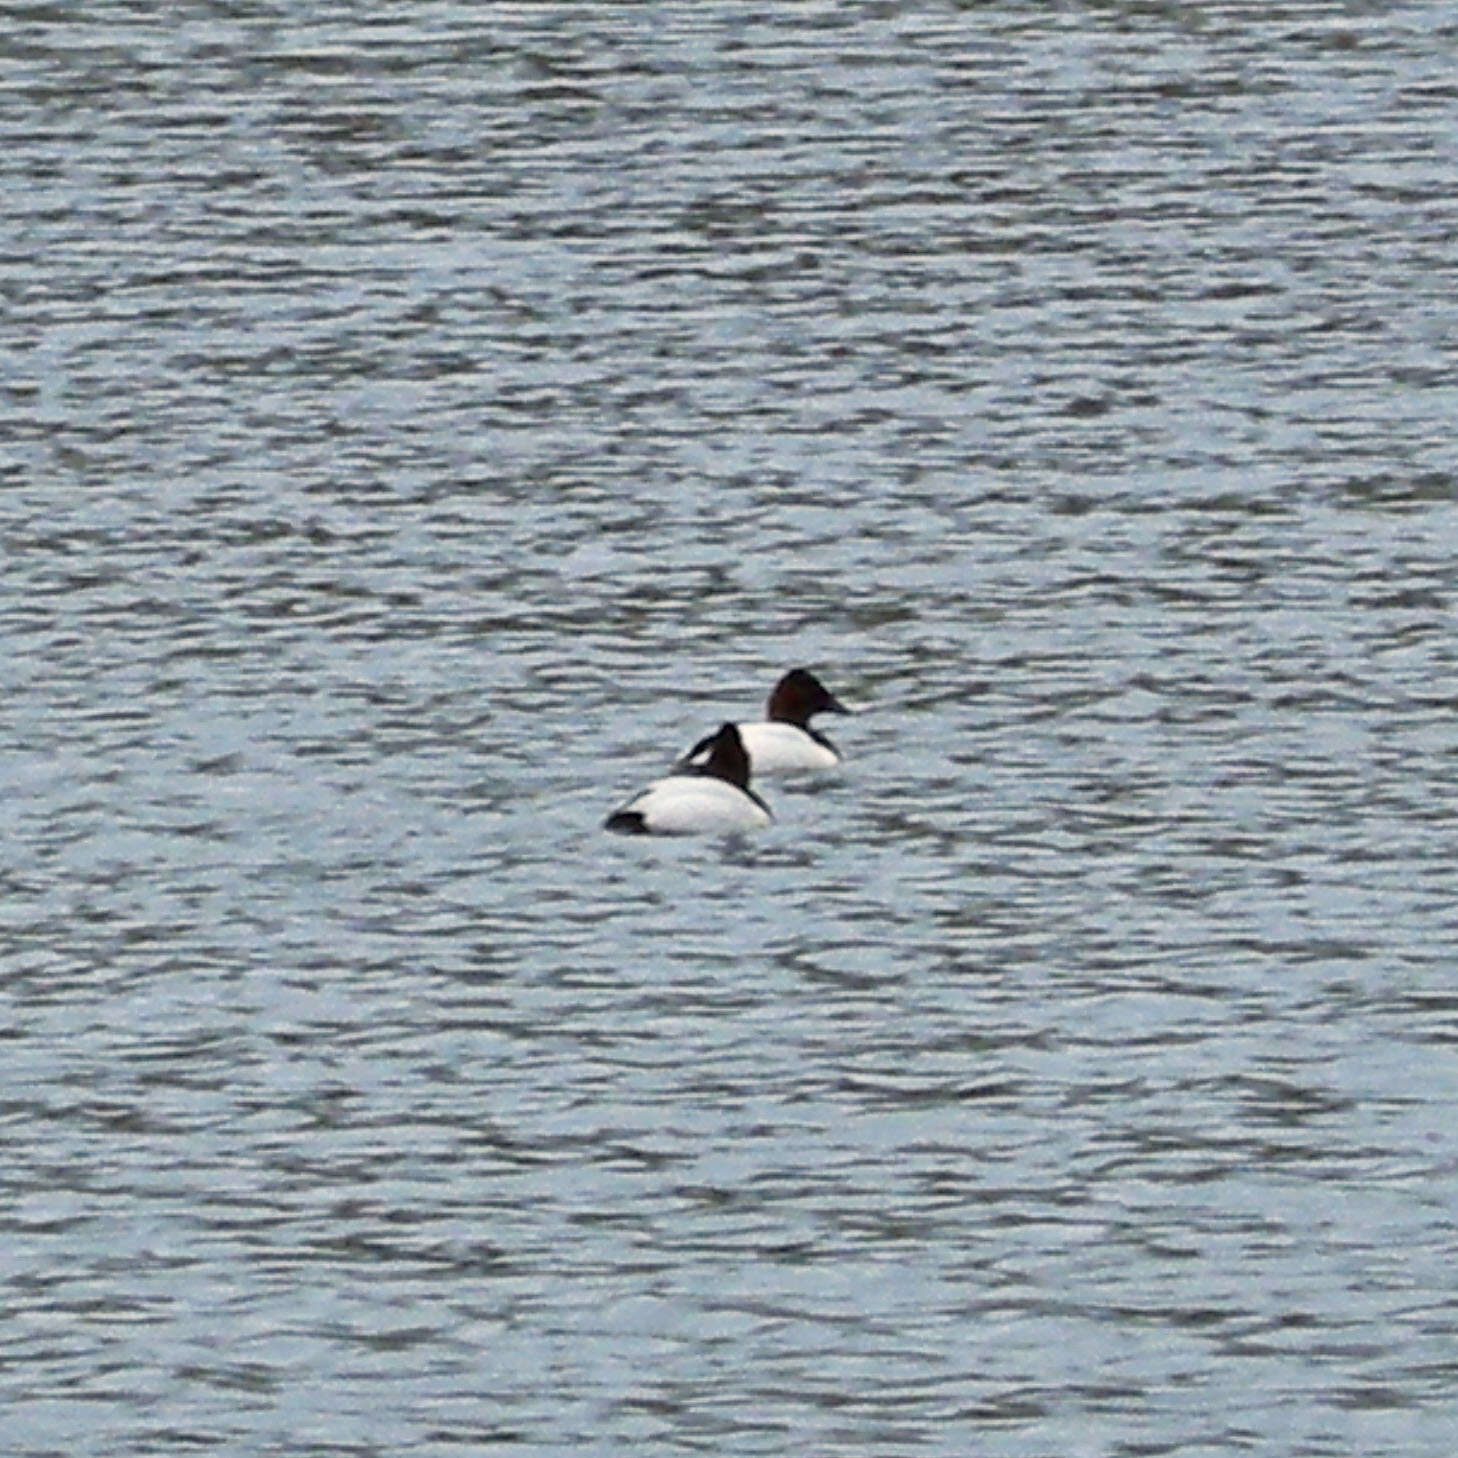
(417, 424)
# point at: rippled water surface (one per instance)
(416, 425)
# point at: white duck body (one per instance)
(690, 804)
(702, 798)
(777, 748)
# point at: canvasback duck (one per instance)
(784, 742)
(711, 795)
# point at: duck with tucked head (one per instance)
(712, 794)
(784, 742)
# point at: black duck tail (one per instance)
(626, 822)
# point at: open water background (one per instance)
(417, 423)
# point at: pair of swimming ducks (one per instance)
(709, 787)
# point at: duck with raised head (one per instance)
(712, 794)
(784, 741)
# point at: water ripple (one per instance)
(416, 430)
